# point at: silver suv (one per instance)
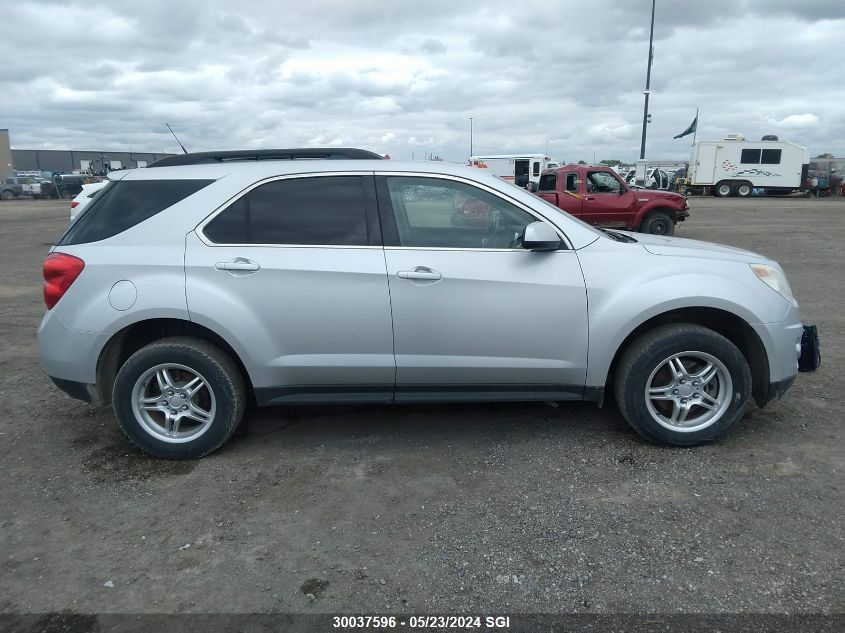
(190, 288)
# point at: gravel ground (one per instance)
(513, 508)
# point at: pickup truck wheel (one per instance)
(7, 195)
(682, 384)
(179, 398)
(724, 189)
(658, 223)
(743, 189)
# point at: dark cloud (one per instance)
(406, 76)
(432, 46)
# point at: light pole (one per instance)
(648, 80)
(470, 138)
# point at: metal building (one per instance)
(68, 161)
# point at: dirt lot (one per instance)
(520, 508)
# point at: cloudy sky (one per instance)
(404, 77)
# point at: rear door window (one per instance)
(317, 211)
(122, 205)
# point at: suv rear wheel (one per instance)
(179, 398)
(682, 385)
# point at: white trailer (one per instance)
(735, 166)
(515, 168)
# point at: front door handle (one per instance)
(238, 264)
(589, 198)
(420, 272)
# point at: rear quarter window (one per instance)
(122, 205)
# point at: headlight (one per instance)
(774, 278)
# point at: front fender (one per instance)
(657, 205)
(640, 287)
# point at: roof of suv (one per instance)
(302, 153)
(269, 168)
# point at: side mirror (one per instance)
(539, 236)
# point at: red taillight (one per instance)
(74, 204)
(60, 271)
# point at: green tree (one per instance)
(582, 162)
(825, 155)
(611, 162)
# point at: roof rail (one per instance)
(208, 158)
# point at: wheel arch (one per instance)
(732, 327)
(657, 206)
(122, 344)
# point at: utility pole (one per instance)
(470, 138)
(648, 80)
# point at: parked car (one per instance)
(88, 193)
(655, 179)
(184, 292)
(67, 186)
(599, 196)
(12, 187)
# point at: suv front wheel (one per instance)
(179, 398)
(682, 385)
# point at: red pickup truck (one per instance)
(599, 196)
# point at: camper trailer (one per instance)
(519, 169)
(735, 166)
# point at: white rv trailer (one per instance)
(735, 166)
(514, 167)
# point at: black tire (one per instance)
(724, 189)
(7, 194)
(658, 223)
(221, 375)
(647, 355)
(743, 189)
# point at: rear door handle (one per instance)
(238, 264)
(420, 272)
(589, 198)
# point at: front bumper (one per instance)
(810, 358)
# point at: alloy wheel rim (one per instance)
(173, 403)
(688, 391)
